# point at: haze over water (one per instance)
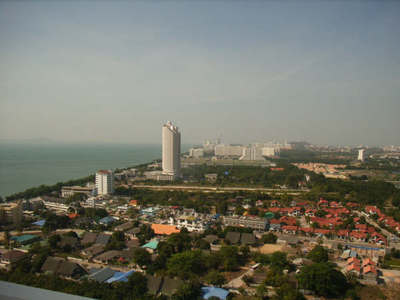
(27, 165)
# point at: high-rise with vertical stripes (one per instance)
(104, 182)
(171, 150)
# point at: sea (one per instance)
(25, 165)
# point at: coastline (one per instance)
(24, 166)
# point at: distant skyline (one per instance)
(327, 72)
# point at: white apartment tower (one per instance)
(171, 150)
(104, 182)
(361, 155)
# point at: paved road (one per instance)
(219, 189)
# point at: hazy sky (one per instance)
(322, 71)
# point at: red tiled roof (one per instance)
(289, 228)
(358, 235)
(72, 215)
(322, 231)
(353, 260)
(353, 267)
(274, 221)
(343, 232)
(307, 229)
(369, 269)
(367, 262)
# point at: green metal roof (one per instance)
(24, 238)
(152, 245)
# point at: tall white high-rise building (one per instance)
(361, 154)
(104, 182)
(171, 150)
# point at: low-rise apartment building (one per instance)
(242, 221)
(55, 204)
(67, 191)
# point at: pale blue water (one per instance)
(27, 165)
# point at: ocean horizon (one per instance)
(26, 165)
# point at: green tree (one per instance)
(287, 292)
(141, 257)
(188, 291)
(215, 278)
(323, 279)
(230, 257)
(117, 241)
(180, 241)
(318, 254)
(53, 241)
(186, 264)
(278, 261)
(202, 244)
(137, 283)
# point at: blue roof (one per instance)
(364, 247)
(212, 291)
(120, 276)
(39, 223)
(107, 220)
(152, 245)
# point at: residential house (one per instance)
(101, 275)
(132, 244)
(358, 236)
(103, 239)
(61, 267)
(25, 239)
(151, 246)
(107, 257)
(70, 269)
(274, 225)
(164, 229)
(289, 229)
(370, 273)
(68, 241)
(107, 220)
(9, 258)
(354, 268)
(93, 250)
(88, 238)
(124, 227)
(120, 277)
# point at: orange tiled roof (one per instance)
(72, 216)
(164, 229)
(133, 202)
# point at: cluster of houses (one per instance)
(365, 269)
(382, 218)
(326, 226)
